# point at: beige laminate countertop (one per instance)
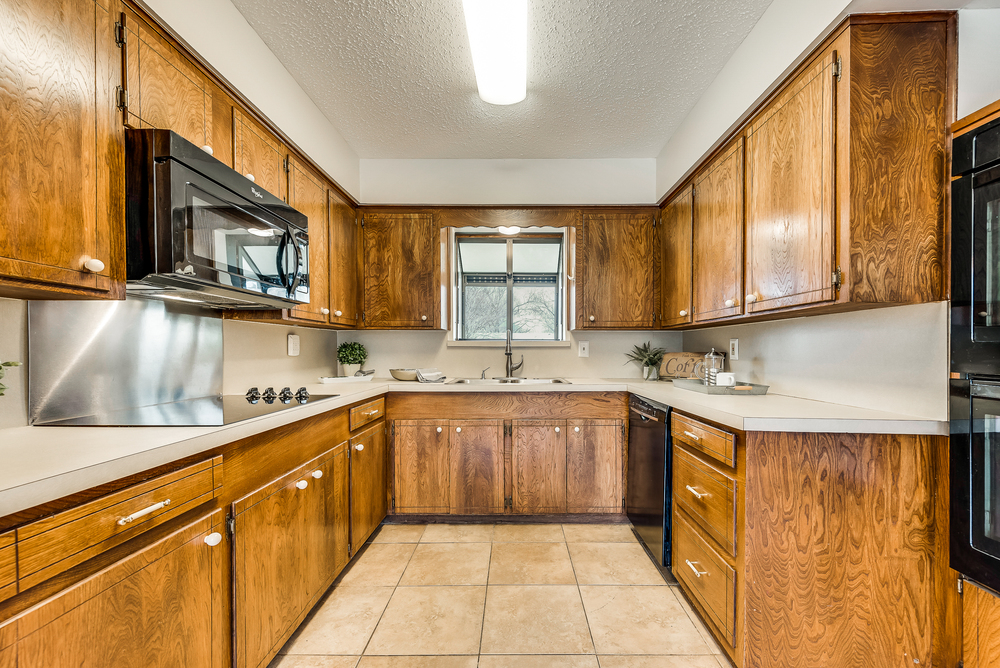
(40, 464)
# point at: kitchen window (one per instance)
(509, 283)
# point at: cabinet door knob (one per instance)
(592, 318)
(325, 311)
(751, 298)
(683, 313)
(208, 149)
(317, 474)
(439, 430)
(557, 430)
(213, 539)
(574, 429)
(302, 484)
(338, 313)
(730, 303)
(93, 265)
(359, 447)
(423, 317)
(250, 176)
(458, 429)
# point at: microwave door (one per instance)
(986, 255)
(984, 513)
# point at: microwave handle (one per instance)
(297, 276)
(280, 260)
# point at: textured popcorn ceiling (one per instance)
(605, 79)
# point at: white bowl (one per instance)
(404, 374)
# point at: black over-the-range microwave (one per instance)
(975, 356)
(198, 231)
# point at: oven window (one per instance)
(985, 524)
(992, 220)
(986, 252)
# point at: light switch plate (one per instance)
(293, 345)
(734, 349)
(583, 349)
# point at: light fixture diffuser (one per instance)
(498, 35)
(509, 231)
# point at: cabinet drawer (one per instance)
(365, 413)
(709, 578)
(706, 438)
(708, 496)
(54, 544)
(8, 566)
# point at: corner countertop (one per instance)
(45, 463)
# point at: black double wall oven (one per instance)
(975, 356)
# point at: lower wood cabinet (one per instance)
(538, 466)
(369, 482)
(594, 450)
(161, 606)
(476, 463)
(981, 628)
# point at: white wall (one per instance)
(401, 350)
(892, 359)
(978, 59)
(573, 182)
(14, 348)
(219, 33)
(256, 354)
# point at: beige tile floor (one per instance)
(502, 596)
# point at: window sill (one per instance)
(502, 344)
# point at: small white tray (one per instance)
(326, 380)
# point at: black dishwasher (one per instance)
(647, 500)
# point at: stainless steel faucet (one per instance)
(511, 367)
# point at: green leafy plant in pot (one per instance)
(649, 357)
(3, 370)
(352, 356)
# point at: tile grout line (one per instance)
(579, 593)
(486, 594)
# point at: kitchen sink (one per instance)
(509, 381)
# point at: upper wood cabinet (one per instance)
(594, 466)
(616, 267)
(675, 260)
(343, 262)
(401, 257)
(538, 466)
(789, 190)
(369, 482)
(259, 155)
(160, 607)
(718, 236)
(307, 194)
(61, 203)
(165, 90)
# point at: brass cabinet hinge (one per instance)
(288, 164)
(836, 278)
(838, 68)
(960, 587)
(121, 98)
(121, 35)
(362, 316)
(393, 501)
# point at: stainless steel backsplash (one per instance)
(90, 357)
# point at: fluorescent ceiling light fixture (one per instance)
(498, 35)
(509, 230)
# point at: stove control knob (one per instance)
(253, 395)
(269, 395)
(286, 395)
(302, 395)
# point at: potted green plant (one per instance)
(3, 370)
(352, 356)
(649, 357)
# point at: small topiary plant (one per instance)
(351, 352)
(3, 370)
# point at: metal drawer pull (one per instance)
(213, 539)
(696, 571)
(373, 412)
(142, 513)
(695, 492)
(694, 436)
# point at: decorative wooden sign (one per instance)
(680, 365)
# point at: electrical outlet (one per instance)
(734, 349)
(583, 349)
(293, 345)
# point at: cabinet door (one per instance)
(160, 607)
(338, 506)
(422, 481)
(718, 236)
(258, 155)
(618, 271)
(369, 491)
(343, 262)
(307, 195)
(789, 184)
(164, 89)
(594, 466)
(675, 259)
(401, 266)
(62, 144)
(476, 466)
(322, 533)
(538, 464)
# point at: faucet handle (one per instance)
(483, 375)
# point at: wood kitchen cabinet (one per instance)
(616, 267)
(159, 607)
(477, 481)
(369, 482)
(676, 220)
(259, 155)
(402, 261)
(538, 466)
(980, 628)
(343, 262)
(307, 194)
(594, 466)
(164, 89)
(717, 254)
(422, 466)
(61, 205)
